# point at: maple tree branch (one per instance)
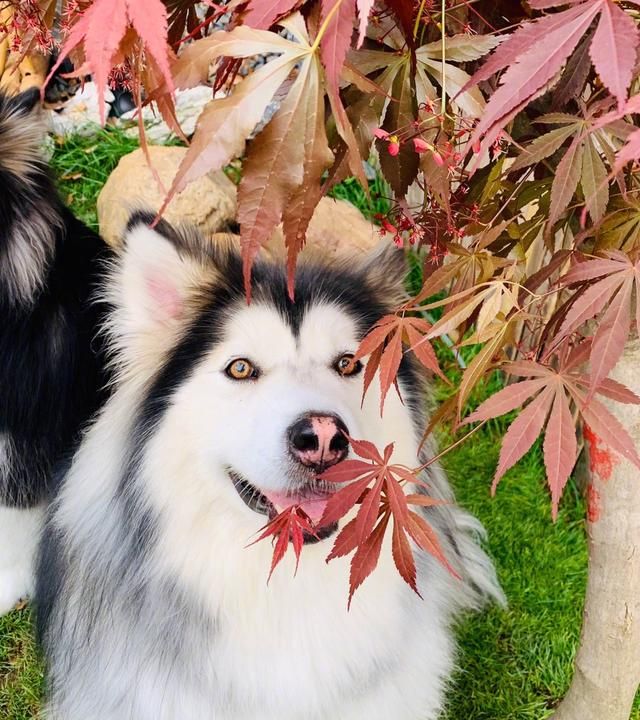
(443, 18)
(418, 18)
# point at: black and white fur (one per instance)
(150, 604)
(50, 365)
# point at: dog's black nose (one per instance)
(318, 440)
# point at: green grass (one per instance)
(20, 671)
(376, 203)
(514, 664)
(83, 166)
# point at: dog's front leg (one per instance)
(19, 534)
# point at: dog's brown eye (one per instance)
(241, 369)
(346, 366)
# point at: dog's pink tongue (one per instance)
(313, 505)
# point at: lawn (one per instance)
(514, 664)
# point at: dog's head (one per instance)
(246, 404)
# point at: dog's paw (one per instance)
(16, 584)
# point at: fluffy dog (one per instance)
(50, 364)
(150, 604)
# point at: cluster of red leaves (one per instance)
(377, 486)
(536, 52)
(342, 84)
(108, 33)
(550, 393)
(285, 165)
(289, 526)
(384, 347)
(609, 285)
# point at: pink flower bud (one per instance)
(393, 148)
(420, 145)
(381, 134)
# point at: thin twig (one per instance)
(442, 453)
(443, 17)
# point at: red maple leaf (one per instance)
(384, 344)
(340, 17)
(262, 14)
(378, 487)
(102, 31)
(287, 527)
(604, 285)
(549, 393)
(537, 50)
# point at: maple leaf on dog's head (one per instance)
(285, 163)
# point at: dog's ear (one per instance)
(156, 281)
(385, 270)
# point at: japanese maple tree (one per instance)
(507, 133)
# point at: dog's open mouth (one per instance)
(313, 502)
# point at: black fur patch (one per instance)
(51, 364)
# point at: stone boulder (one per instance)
(337, 228)
(208, 203)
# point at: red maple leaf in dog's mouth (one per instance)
(373, 484)
(293, 516)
